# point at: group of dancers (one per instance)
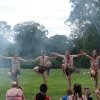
(45, 63)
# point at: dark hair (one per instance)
(77, 90)
(43, 88)
(69, 92)
(40, 96)
(88, 93)
(20, 87)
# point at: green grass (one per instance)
(57, 85)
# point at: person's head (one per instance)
(14, 84)
(43, 88)
(67, 53)
(77, 89)
(40, 96)
(15, 55)
(69, 92)
(42, 53)
(87, 92)
(94, 53)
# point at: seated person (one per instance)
(42, 94)
(97, 94)
(69, 92)
(87, 92)
(77, 93)
(15, 93)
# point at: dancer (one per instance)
(44, 66)
(67, 66)
(94, 70)
(15, 69)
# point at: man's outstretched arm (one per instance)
(87, 55)
(24, 60)
(4, 57)
(57, 55)
(35, 60)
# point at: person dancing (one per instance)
(67, 66)
(44, 66)
(94, 70)
(15, 69)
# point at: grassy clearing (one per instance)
(30, 83)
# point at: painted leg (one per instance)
(45, 77)
(10, 75)
(96, 82)
(15, 74)
(69, 81)
(64, 70)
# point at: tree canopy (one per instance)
(30, 38)
(85, 24)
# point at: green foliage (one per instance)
(83, 11)
(3, 44)
(4, 28)
(4, 35)
(30, 38)
(57, 63)
(57, 43)
(82, 62)
(84, 22)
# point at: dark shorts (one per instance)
(69, 71)
(14, 74)
(42, 69)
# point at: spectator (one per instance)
(97, 94)
(87, 92)
(42, 94)
(15, 93)
(77, 93)
(69, 93)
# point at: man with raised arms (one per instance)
(67, 65)
(94, 70)
(15, 69)
(44, 64)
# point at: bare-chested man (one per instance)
(67, 66)
(15, 69)
(44, 64)
(94, 70)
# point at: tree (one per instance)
(5, 30)
(85, 28)
(3, 44)
(57, 43)
(84, 20)
(30, 38)
(3, 50)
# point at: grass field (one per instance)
(57, 85)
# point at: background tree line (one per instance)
(29, 38)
